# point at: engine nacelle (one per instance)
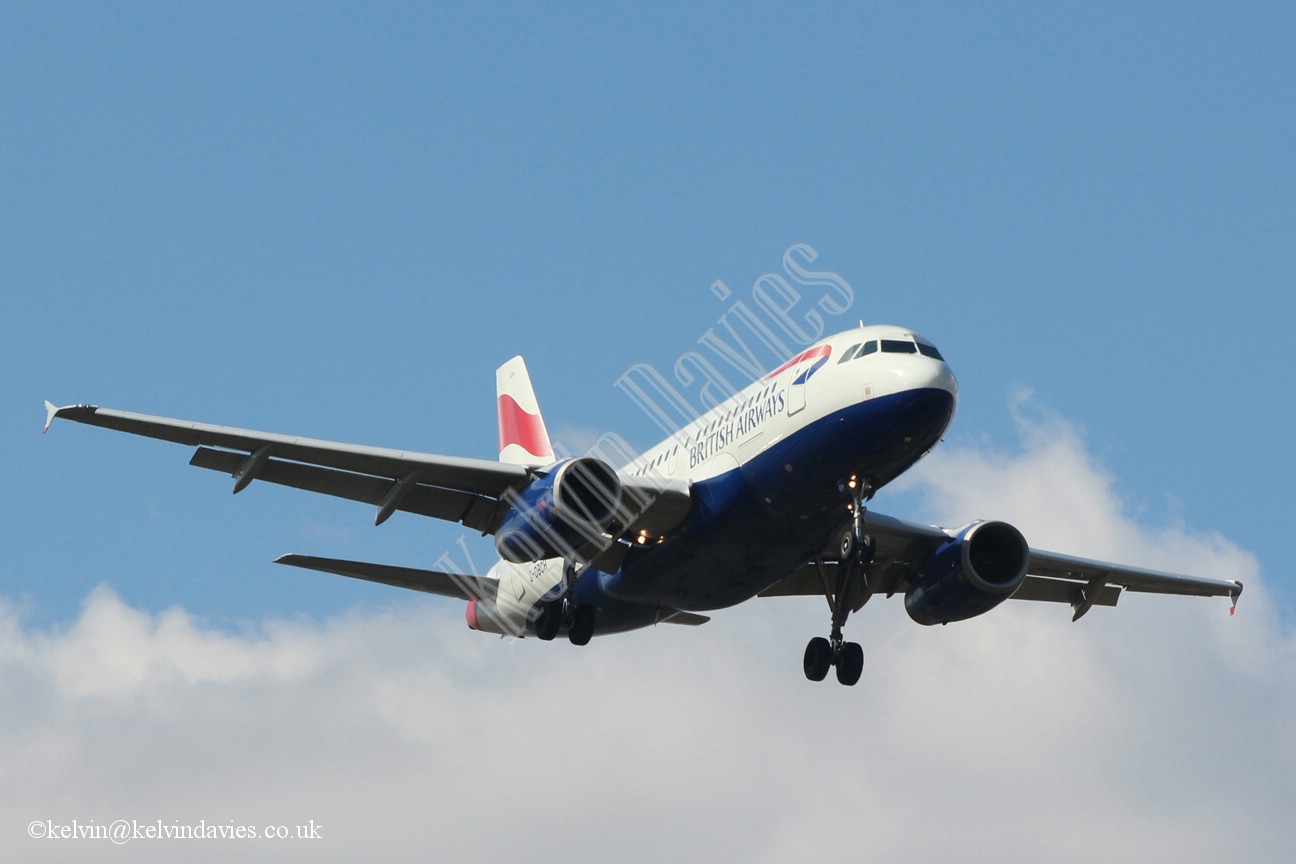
(485, 616)
(561, 512)
(970, 574)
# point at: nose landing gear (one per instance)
(856, 554)
(821, 653)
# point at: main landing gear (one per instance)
(579, 617)
(856, 554)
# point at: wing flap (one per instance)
(456, 585)
(1065, 591)
(803, 581)
(474, 511)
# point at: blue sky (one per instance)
(336, 221)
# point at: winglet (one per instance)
(78, 412)
(1233, 598)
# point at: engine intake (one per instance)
(561, 512)
(973, 572)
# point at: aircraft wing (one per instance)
(444, 487)
(902, 549)
(456, 489)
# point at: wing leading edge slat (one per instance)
(476, 476)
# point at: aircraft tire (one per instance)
(549, 622)
(818, 658)
(850, 664)
(582, 628)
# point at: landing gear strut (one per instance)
(856, 554)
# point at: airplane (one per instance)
(765, 495)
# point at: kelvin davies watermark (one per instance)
(124, 831)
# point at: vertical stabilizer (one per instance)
(523, 439)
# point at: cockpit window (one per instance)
(898, 346)
(930, 351)
(848, 353)
(866, 348)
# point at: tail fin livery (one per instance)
(523, 439)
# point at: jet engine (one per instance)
(562, 511)
(970, 574)
(484, 615)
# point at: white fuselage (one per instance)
(835, 375)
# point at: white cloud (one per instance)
(1156, 731)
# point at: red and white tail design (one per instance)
(522, 436)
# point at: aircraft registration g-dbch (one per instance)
(765, 495)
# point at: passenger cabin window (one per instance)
(898, 346)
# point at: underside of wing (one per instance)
(1051, 565)
(478, 476)
(903, 552)
(474, 492)
(1099, 583)
(900, 550)
(473, 510)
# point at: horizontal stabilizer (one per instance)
(429, 581)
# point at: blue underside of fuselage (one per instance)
(755, 524)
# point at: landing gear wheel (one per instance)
(549, 621)
(846, 546)
(818, 657)
(867, 550)
(850, 664)
(582, 626)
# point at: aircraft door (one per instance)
(797, 391)
(799, 381)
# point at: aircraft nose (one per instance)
(926, 373)
(942, 378)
